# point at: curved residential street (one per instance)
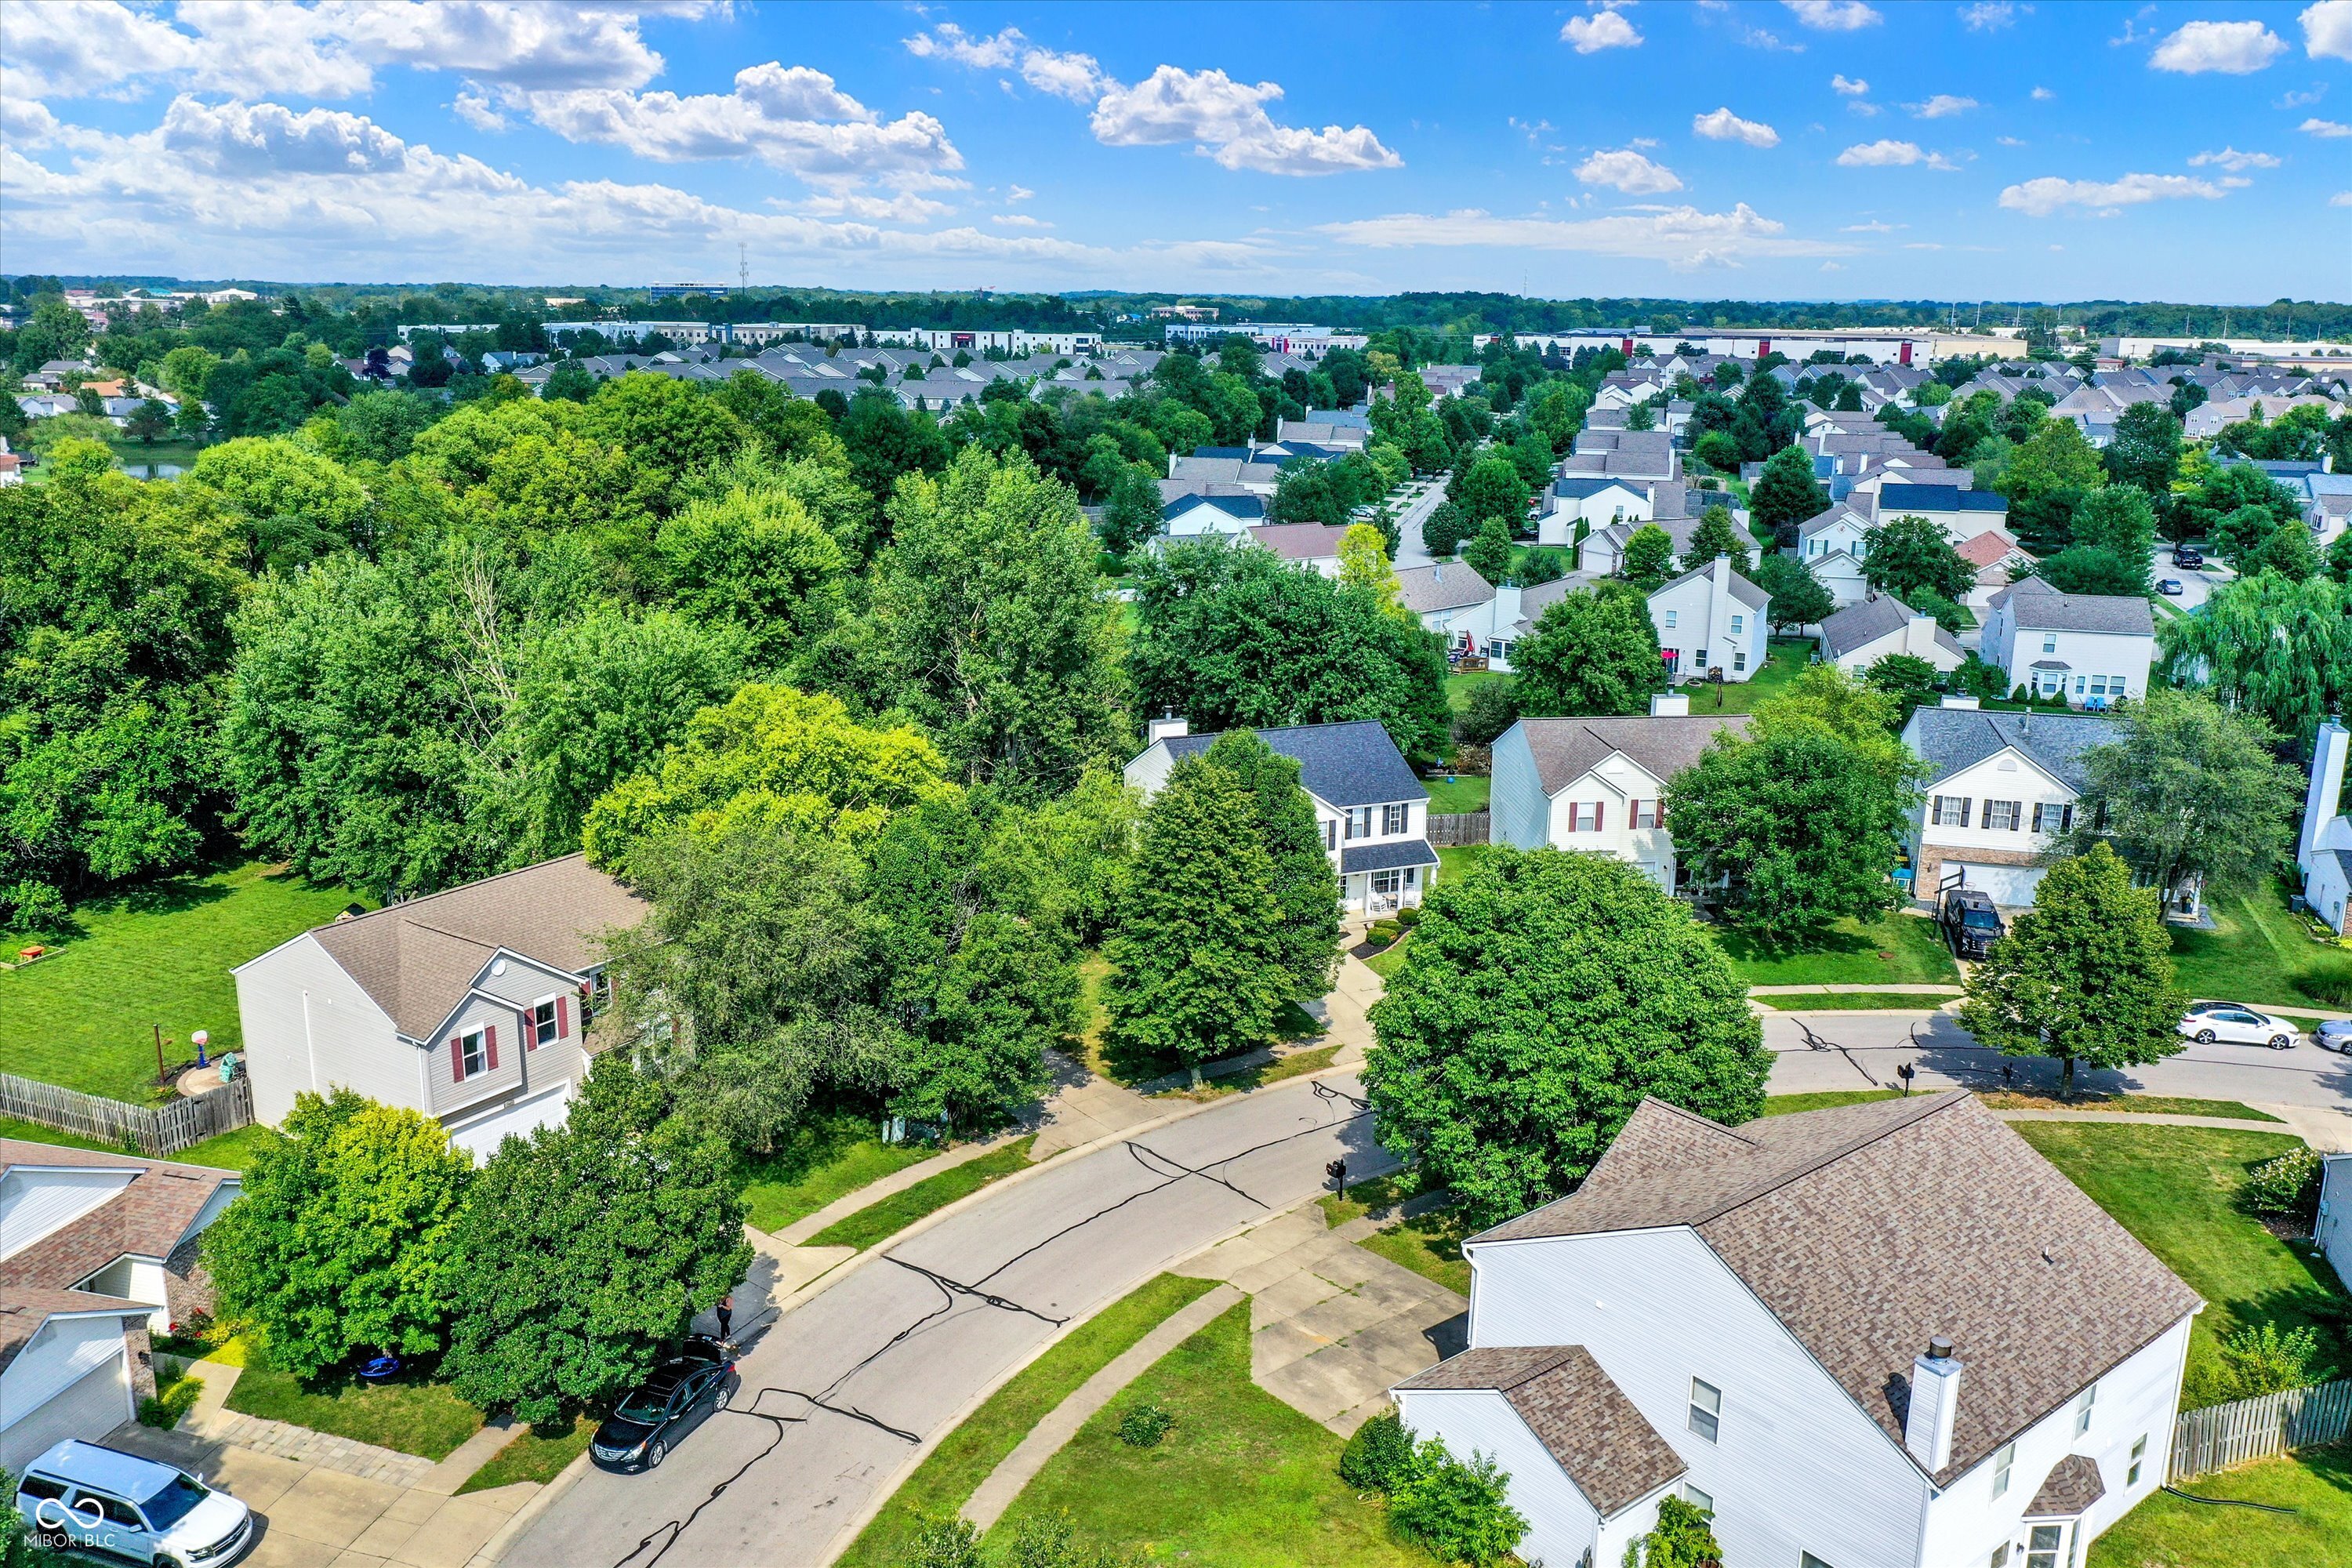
(836, 1395)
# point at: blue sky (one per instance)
(1826, 149)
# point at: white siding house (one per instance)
(2093, 649)
(2001, 787)
(1598, 784)
(2323, 845)
(1372, 812)
(1775, 1322)
(1711, 620)
(471, 1005)
(1880, 625)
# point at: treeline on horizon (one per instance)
(1447, 314)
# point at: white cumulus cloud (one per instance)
(2233, 48)
(1848, 86)
(1724, 126)
(1890, 155)
(2043, 95)
(2233, 161)
(1834, 16)
(1683, 237)
(1602, 30)
(2325, 128)
(1943, 106)
(2328, 30)
(1989, 15)
(2048, 194)
(1627, 171)
(1227, 121)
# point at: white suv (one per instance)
(129, 1507)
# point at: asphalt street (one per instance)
(1860, 1051)
(836, 1395)
(1410, 551)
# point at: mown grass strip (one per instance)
(880, 1221)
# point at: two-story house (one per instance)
(1833, 544)
(2001, 788)
(2323, 845)
(1877, 1336)
(1598, 784)
(1962, 511)
(471, 1005)
(1450, 598)
(2093, 650)
(1598, 500)
(1372, 812)
(1862, 634)
(1711, 620)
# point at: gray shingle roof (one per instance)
(2039, 607)
(2072, 1485)
(1746, 593)
(417, 959)
(1866, 621)
(1950, 739)
(1391, 856)
(1601, 1440)
(1353, 763)
(1447, 585)
(1565, 750)
(1300, 540)
(1868, 1229)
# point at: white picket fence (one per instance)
(2221, 1435)
(158, 1132)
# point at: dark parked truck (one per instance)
(1970, 922)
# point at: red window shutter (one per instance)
(1600, 811)
(562, 1017)
(530, 1031)
(457, 1058)
(490, 1047)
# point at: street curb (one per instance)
(523, 1518)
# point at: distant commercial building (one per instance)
(1879, 345)
(1003, 341)
(1298, 338)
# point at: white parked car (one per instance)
(2237, 1026)
(128, 1507)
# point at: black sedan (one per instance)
(651, 1418)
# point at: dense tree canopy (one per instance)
(1591, 652)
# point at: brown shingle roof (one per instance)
(2072, 1485)
(1565, 750)
(23, 1311)
(417, 959)
(1300, 540)
(1869, 1228)
(147, 1217)
(1583, 1418)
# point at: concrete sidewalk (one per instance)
(2150, 1118)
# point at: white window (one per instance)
(600, 989)
(1951, 811)
(2000, 1556)
(1738, 656)
(2002, 815)
(1645, 813)
(1738, 624)
(2004, 1459)
(1670, 619)
(2041, 1545)
(1359, 822)
(1701, 660)
(546, 1024)
(2139, 1453)
(1330, 834)
(2049, 642)
(1705, 1412)
(2049, 816)
(1395, 818)
(2083, 1409)
(1584, 816)
(473, 1053)
(1703, 1502)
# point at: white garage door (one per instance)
(2008, 885)
(88, 1409)
(484, 1133)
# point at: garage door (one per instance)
(2008, 885)
(88, 1409)
(484, 1133)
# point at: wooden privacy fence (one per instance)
(156, 1131)
(1452, 829)
(2224, 1435)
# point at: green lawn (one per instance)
(1242, 1480)
(826, 1158)
(532, 1455)
(1429, 1244)
(966, 1456)
(1894, 949)
(415, 1418)
(1784, 661)
(1298, 1064)
(880, 1221)
(2172, 1188)
(1462, 683)
(2256, 955)
(2131, 1104)
(1455, 860)
(159, 954)
(1464, 792)
(1824, 1099)
(2170, 1532)
(1891, 1001)
(1388, 961)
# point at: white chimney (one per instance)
(1669, 704)
(2326, 799)
(1954, 700)
(1935, 1398)
(1167, 727)
(1919, 636)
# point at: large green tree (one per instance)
(2085, 976)
(1542, 996)
(1492, 486)
(1798, 598)
(1306, 890)
(1591, 652)
(1784, 494)
(2189, 788)
(759, 560)
(1717, 535)
(1197, 953)
(991, 625)
(1909, 556)
(340, 1242)
(2145, 451)
(584, 1251)
(1236, 637)
(2269, 645)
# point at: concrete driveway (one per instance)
(1829, 1051)
(836, 1396)
(2196, 585)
